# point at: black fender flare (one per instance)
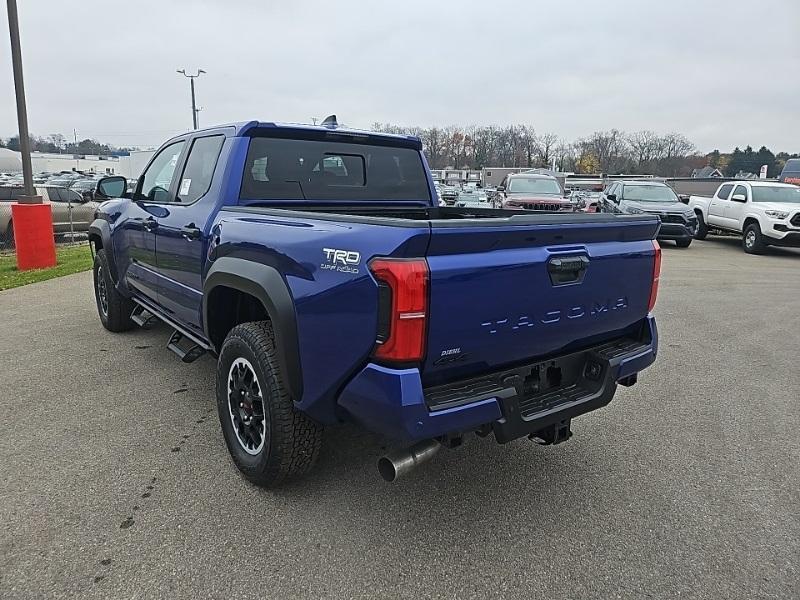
(100, 228)
(267, 285)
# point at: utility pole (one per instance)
(195, 110)
(31, 218)
(22, 113)
(75, 137)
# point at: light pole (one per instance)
(22, 113)
(191, 85)
(31, 219)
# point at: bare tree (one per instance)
(546, 144)
(529, 143)
(645, 147)
(518, 146)
(608, 149)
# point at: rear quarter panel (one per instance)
(336, 305)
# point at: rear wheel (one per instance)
(683, 243)
(269, 440)
(702, 228)
(753, 240)
(114, 308)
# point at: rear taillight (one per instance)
(403, 308)
(656, 276)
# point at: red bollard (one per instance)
(33, 236)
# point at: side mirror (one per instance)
(683, 198)
(739, 198)
(111, 187)
(612, 197)
(500, 188)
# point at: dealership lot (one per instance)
(115, 481)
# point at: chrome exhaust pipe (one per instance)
(398, 463)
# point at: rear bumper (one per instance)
(393, 402)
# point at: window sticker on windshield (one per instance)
(185, 187)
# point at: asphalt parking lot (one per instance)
(115, 481)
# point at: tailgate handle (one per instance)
(567, 269)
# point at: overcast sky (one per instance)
(723, 73)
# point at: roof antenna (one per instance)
(330, 122)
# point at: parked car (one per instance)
(71, 213)
(449, 194)
(86, 188)
(65, 182)
(765, 213)
(585, 201)
(529, 191)
(472, 197)
(637, 196)
(351, 296)
(791, 172)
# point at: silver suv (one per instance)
(66, 205)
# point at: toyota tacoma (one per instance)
(313, 263)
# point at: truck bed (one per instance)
(493, 300)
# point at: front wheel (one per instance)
(702, 228)
(114, 308)
(268, 439)
(753, 239)
(683, 243)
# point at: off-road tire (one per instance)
(116, 316)
(292, 441)
(702, 228)
(753, 240)
(683, 243)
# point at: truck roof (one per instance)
(242, 128)
(641, 182)
(761, 183)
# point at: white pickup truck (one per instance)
(766, 213)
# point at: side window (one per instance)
(55, 195)
(196, 177)
(156, 180)
(740, 189)
(71, 196)
(724, 191)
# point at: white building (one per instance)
(10, 161)
(127, 166)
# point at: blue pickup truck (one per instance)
(313, 263)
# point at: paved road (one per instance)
(115, 482)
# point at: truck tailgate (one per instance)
(512, 290)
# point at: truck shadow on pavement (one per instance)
(735, 243)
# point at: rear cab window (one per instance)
(296, 169)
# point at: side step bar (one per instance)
(144, 316)
(191, 354)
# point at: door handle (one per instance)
(190, 232)
(149, 224)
